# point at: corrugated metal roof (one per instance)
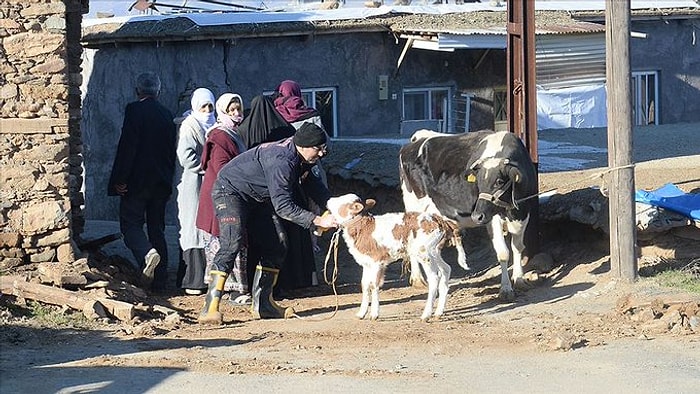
(572, 28)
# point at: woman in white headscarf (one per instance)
(190, 144)
(223, 144)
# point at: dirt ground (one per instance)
(576, 324)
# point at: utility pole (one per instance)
(623, 260)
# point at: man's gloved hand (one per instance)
(323, 223)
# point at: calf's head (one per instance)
(348, 207)
(496, 180)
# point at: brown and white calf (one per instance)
(377, 241)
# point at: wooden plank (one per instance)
(31, 126)
(18, 286)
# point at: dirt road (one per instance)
(566, 334)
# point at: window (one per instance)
(500, 109)
(427, 104)
(324, 101)
(645, 97)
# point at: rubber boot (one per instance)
(210, 313)
(264, 306)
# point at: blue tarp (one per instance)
(670, 197)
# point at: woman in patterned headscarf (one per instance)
(223, 144)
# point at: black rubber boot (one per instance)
(210, 313)
(264, 306)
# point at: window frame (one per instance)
(428, 90)
(640, 97)
(311, 92)
(500, 108)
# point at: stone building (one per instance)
(41, 173)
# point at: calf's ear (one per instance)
(369, 204)
(356, 207)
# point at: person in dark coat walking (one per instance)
(142, 175)
(253, 192)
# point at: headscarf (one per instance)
(228, 122)
(200, 98)
(263, 123)
(290, 104)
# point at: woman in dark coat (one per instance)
(264, 123)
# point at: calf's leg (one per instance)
(364, 305)
(431, 273)
(377, 280)
(443, 287)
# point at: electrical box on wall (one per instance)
(383, 87)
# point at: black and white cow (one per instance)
(475, 178)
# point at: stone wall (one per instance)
(40, 142)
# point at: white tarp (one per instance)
(576, 107)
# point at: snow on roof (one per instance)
(345, 13)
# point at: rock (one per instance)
(172, 319)
(94, 310)
(541, 263)
(564, 341)
(30, 45)
(44, 216)
(694, 323)
(9, 91)
(672, 319)
(329, 5)
(643, 315)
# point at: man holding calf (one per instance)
(252, 192)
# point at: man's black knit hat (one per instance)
(309, 135)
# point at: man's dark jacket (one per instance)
(145, 159)
(271, 172)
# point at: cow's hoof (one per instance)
(522, 284)
(360, 315)
(506, 295)
(373, 317)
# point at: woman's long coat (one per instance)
(189, 154)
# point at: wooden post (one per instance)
(623, 261)
(522, 95)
